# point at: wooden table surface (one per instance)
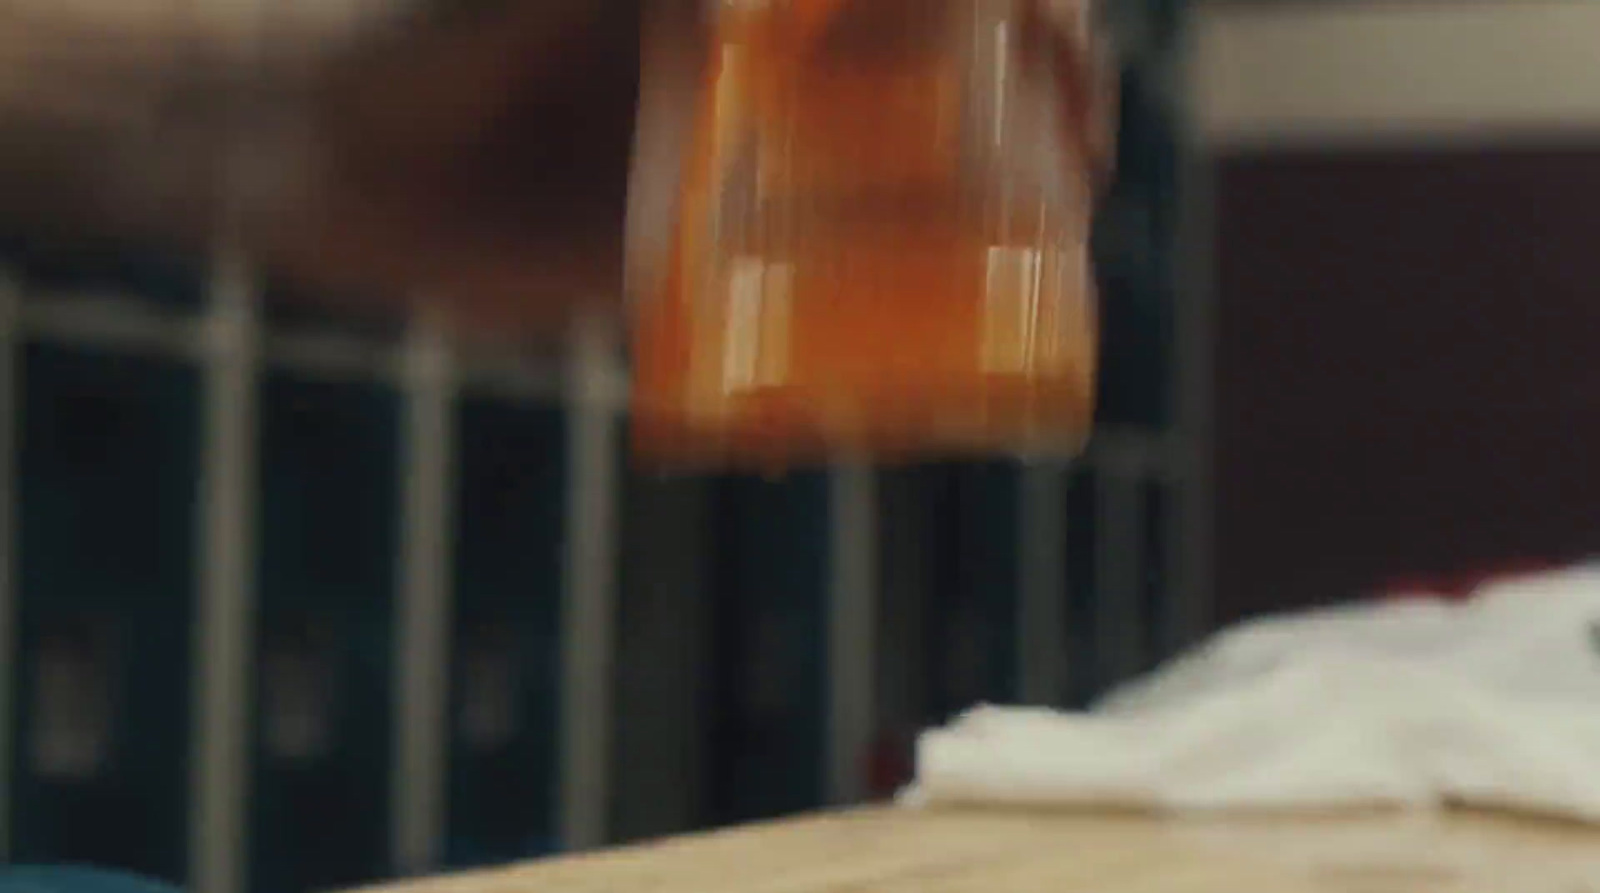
(904, 851)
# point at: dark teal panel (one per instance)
(329, 533)
(1136, 230)
(1135, 255)
(948, 573)
(506, 670)
(107, 489)
(58, 879)
(1160, 577)
(287, 304)
(768, 578)
(51, 265)
(988, 511)
(662, 655)
(1083, 659)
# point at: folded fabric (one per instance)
(1493, 702)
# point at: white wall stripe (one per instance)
(226, 548)
(589, 587)
(422, 643)
(1338, 72)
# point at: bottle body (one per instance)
(881, 237)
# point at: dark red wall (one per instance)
(1408, 366)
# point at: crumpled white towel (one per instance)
(1494, 702)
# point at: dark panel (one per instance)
(288, 305)
(49, 265)
(662, 656)
(1081, 506)
(107, 490)
(766, 686)
(947, 602)
(1406, 373)
(323, 675)
(505, 687)
(947, 569)
(1157, 575)
(1134, 240)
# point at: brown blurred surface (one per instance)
(479, 157)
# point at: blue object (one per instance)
(50, 879)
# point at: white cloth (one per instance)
(1414, 703)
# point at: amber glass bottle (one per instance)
(881, 236)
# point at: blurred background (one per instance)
(298, 590)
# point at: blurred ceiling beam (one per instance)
(479, 153)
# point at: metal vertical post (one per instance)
(224, 633)
(422, 646)
(589, 584)
(1041, 640)
(11, 371)
(852, 627)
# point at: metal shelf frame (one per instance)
(232, 346)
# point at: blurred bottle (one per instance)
(881, 235)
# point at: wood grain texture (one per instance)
(902, 851)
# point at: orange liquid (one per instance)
(862, 301)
